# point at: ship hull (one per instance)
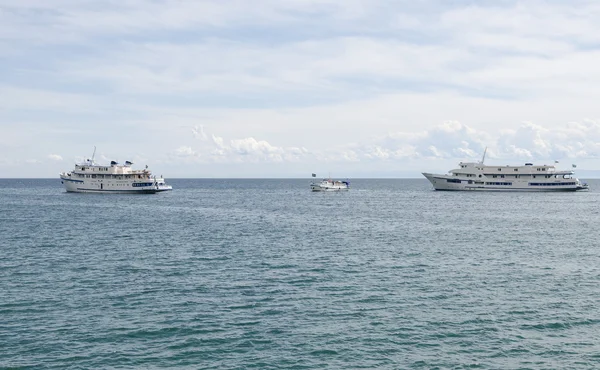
(96, 191)
(111, 187)
(319, 188)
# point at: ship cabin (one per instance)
(90, 169)
(479, 170)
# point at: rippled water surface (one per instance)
(265, 274)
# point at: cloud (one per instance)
(450, 140)
(218, 141)
(377, 152)
(185, 151)
(472, 50)
(453, 140)
(55, 157)
(261, 150)
(198, 132)
(247, 149)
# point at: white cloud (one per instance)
(261, 150)
(198, 132)
(376, 152)
(218, 141)
(580, 140)
(185, 151)
(55, 157)
(241, 150)
(449, 140)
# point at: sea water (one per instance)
(236, 274)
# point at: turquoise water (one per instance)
(236, 274)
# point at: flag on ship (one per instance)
(574, 165)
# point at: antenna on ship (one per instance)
(483, 159)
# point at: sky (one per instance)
(286, 88)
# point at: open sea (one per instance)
(239, 274)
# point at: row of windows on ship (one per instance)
(510, 183)
(83, 168)
(118, 177)
(515, 176)
(94, 168)
(540, 169)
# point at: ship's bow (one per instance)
(432, 180)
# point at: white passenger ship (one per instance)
(90, 177)
(477, 176)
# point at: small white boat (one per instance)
(330, 185)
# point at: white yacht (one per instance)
(477, 176)
(90, 177)
(330, 185)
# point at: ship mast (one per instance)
(93, 155)
(483, 159)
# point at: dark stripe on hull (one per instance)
(512, 190)
(102, 191)
(63, 179)
(330, 189)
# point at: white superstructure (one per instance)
(90, 177)
(330, 185)
(477, 176)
